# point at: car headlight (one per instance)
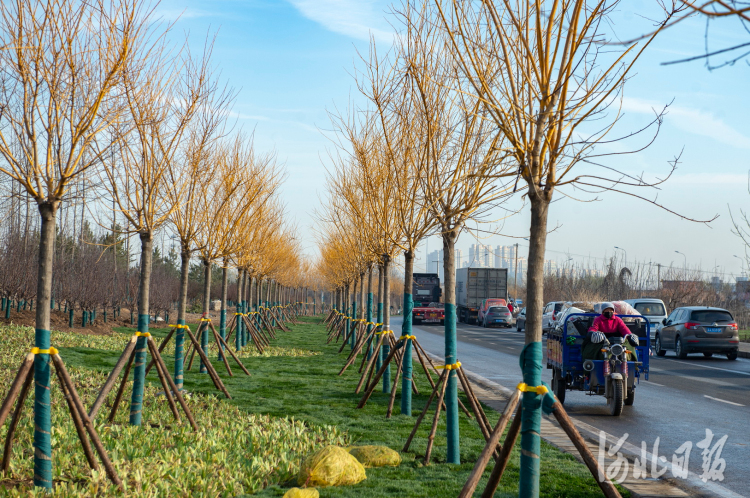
(616, 349)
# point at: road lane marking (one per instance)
(696, 379)
(651, 383)
(712, 368)
(723, 400)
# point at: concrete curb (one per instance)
(639, 488)
(744, 351)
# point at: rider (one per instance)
(609, 324)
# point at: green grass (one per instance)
(745, 335)
(301, 382)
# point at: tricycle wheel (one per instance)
(559, 385)
(618, 399)
(630, 399)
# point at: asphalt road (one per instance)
(681, 399)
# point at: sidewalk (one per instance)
(496, 396)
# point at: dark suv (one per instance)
(698, 329)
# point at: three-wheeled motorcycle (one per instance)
(615, 370)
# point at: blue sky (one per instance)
(291, 62)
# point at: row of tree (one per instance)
(477, 104)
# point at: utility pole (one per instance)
(658, 276)
(515, 276)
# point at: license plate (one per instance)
(432, 316)
(499, 321)
(713, 330)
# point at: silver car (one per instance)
(497, 316)
(698, 329)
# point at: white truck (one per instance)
(474, 285)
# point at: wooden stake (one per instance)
(106, 462)
(435, 419)
(370, 365)
(113, 377)
(15, 387)
(178, 394)
(209, 366)
(490, 447)
(163, 381)
(161, 348)
(609, 489)
(16, 418)
(121, 389)
(424, 412)
(77, 422)
(227, 348)
(502, 462)
(393, 389)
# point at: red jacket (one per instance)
(612, 325)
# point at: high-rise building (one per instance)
(480, 256)
(460, 260)
(435, 263)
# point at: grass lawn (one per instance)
(745, 335)
(298, 379)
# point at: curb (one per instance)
(641, 488)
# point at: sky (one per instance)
(292, 64)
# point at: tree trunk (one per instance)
(206, 311)
(179, 336)
(239, 308)
(369, 308)
(42, 398)
(531, 356)
(141, 346)
(223, 312)
(380, 357)
(353, 316)
(449, 298)
(406, 365)
(386, 320)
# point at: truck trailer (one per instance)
(425, 289)
(473, 285)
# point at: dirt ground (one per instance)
(59, 321)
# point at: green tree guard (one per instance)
(42, 413)
(451, 393)
(131, 317)
(238, 328)
(245, 332)
(93, 315)
(70, 318)
(406, 365)
(52, 304)
(353, 316)
(84, 316)
(222, 331)
(179, 346)
(369, 320)
(204, 347)
(7, 309)
(139, 371)
(24, 304)
(2, 307)
(104, 316)
(530, 361)
(380, 358)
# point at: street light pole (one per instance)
(626, 255)
(515, 276)
(685, 266)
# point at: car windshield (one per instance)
(650, 309)
(498, 309)
(711, 316)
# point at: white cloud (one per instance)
(691, 120)
(355, 18)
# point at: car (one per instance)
(486, 304)
(651, 308)
(698, 329)
(549, 314)
(498, 316)
(567, 310)
(521, 320)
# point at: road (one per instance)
(680, 401)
